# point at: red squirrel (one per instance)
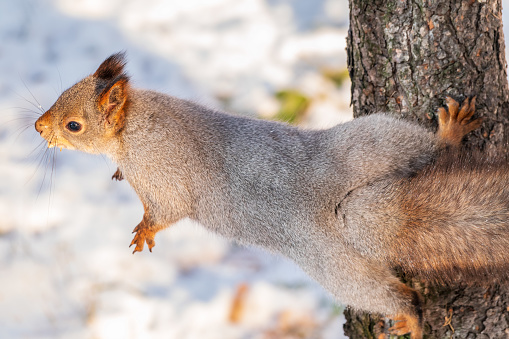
(349, 204)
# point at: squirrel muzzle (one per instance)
(44, 126)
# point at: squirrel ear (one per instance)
(113, 102)
(111, 67)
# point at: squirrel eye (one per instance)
(74, 126)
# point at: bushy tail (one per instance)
(455, 216)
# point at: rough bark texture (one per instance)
(404, 58)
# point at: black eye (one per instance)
(74, 126)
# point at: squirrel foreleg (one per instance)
(145, 233)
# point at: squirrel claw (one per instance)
(399, 328)
(452, 107)
(466, 111)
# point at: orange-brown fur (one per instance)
(454, 220)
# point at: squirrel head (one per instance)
(90, 115)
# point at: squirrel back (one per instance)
(235, 174)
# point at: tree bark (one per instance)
(405, 57)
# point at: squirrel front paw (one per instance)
(117, 175)
(454, 123)
(143, 235)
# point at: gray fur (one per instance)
(334, 200)
(270, 184)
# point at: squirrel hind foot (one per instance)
(405, 324)
(455, 122)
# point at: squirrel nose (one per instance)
(38, 126)
(41, 124)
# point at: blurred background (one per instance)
(65, 267)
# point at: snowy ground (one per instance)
(65, 268)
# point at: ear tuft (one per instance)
(111, 67)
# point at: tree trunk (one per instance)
(404, 58)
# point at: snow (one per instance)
(66, 269)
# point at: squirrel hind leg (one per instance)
(455, 122)
(377, 290)
(411, 320)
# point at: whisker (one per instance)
(23, 114)
(30, 113)
(46, 141)
(53, 172)
(38, 146)
(21, 130)
(41, 159)
(15, 124)
(33, 97)
(45, 155)
(47, 158)
(60, 77)
(28, 101)
(55, 90)
(26, 120)
(26, 110)
(23, 120)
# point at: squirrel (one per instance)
(351, 205)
